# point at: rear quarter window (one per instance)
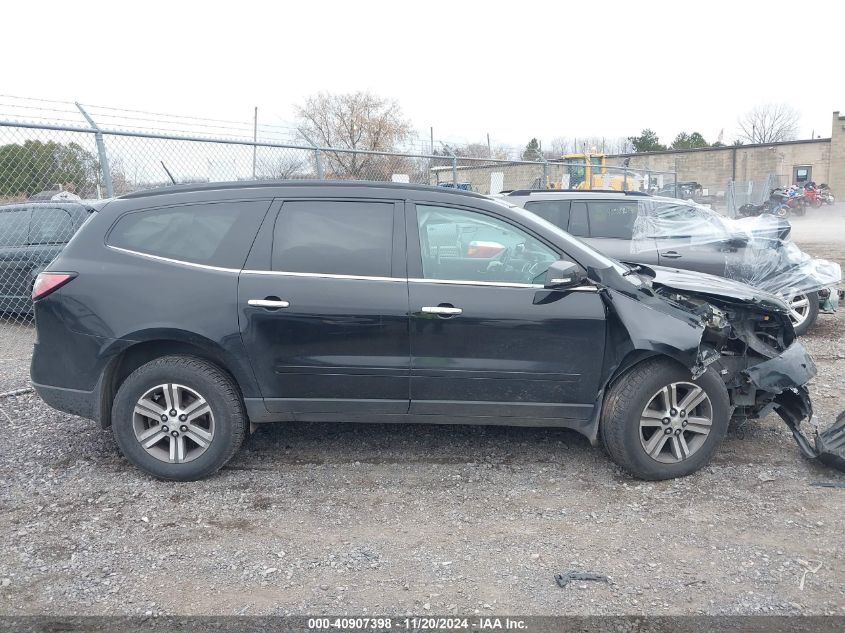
(213, 234)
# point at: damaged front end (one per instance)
(753, 347)
(743, 334)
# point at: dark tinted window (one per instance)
(14, 227)
(330, 237)
(578, 219)
(612, 218)
(555, 211)
(50, 226)
(215, 234)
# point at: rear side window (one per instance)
(578, 219)
(612, 218)
(334, 237)
(14, 227)
(214, 234)
(555, 211)
(50, 226)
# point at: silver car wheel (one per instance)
(799, 309)
(676, 422)
(173, 423)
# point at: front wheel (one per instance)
(803, 311)
(660, 423)
(179, 418)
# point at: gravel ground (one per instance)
(390, 519)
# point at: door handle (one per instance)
(671, 254)
(269, 303)
(443, 310)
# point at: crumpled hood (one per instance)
(711, 285)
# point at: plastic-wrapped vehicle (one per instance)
(638, 228)
(755, 250)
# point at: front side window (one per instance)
(50, 226)
(14, 227)
(468, 246)
(612, 218)
(334, 237)
(213, 234)
(678, 220)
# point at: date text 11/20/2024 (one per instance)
(417, 624)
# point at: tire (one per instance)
(626, 402)
(812, 312)
(220, 421)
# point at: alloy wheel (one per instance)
(173, 423)
(676, 422)
(799, 309)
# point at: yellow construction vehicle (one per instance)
(589, 171)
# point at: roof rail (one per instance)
(267, 184)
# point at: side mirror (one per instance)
(563, 274)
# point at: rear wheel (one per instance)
(659, 423)
(179, 418)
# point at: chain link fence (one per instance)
(743, 192)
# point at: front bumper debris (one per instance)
(792, 369)
(787, 376)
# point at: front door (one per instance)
(325, 319)
(486, 338)
(613, 230)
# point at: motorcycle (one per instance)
(811, 193)
(793, 197)
(825, 194)
(776, 205)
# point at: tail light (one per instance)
(478, 248)
(46, 283)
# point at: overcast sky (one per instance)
(514, 69)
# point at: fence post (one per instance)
(455, 171)
(101, 150)
(318, 159)
(545, 183)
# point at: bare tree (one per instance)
(769, 123)
(282, 166)
(562, 145)
(354, 121)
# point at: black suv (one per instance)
(182, 315)
(31, 235)
(635, 227)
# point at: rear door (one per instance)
(324, 307)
